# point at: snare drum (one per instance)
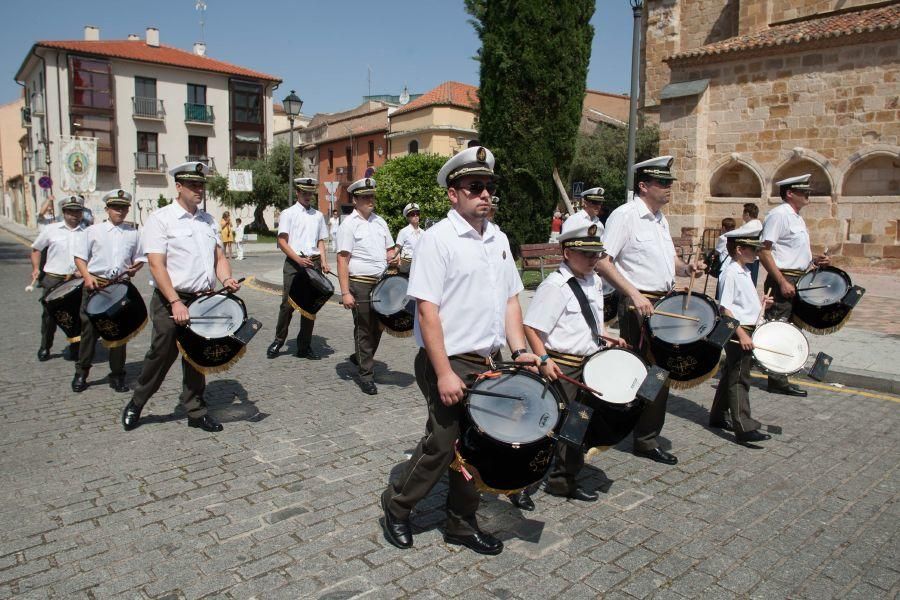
(405, 264)
(825, 297)
(309, 292)
(780, 348)
(610, 302)
(394, 308)
(506, 444)
(117, 312)
(617, 374)
(63, 303)
(217, 334)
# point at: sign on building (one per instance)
(240, 180)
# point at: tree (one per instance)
(410, 178)
(270, 185)
(601, 159)
(534, 57)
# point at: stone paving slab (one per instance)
(284, 502)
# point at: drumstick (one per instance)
(762, 311)
(220, 292)
(687, 297)
(756, 347)
(815, 287)
(30, 286)
(492, 394)
(668, 314)
(205, 318)
(579, 384)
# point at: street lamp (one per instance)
(637, 8)
(292, 106)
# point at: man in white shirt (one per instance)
(592, 204)
(409, 236)
(59, 240)
(301, 237)
(105, 251)
(365, 246)
(786, 257)
(182, 245)
(641, 264)
(466, 285)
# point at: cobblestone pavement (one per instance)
(283, 503)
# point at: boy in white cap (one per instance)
(59, 240)
(786, 256)
(182, 245)
(466, 285)
(409, 236)
(591, 205)
(105, 251)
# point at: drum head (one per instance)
(389, 295)
(682, 331)
(791, 349)
(105, 298)
(616, 373)
(216, 316)
(64, 289)
(826, 286)
(523, 420)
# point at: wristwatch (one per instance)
(517, 353)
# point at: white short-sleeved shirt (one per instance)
(787, 231)
(60, 242)
(641, 247)
(188, 242)
(580, 219)
(470, 277)
(738, 294)
(407, 238)
(367, 242)
(108, 249)
(239, 232)
(556, 314)
(304, 228)
(722, 248)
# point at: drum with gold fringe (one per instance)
(118, 313)
(218, 332)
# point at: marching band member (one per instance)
(105, 251)
(182, 245)
(365, 246)
(301, 237)
(409, 236)
(592, 204)
(466, 285)
(59, 240)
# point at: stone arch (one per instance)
(825, 178)
(874, 171)
(736, 177)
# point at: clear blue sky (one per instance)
(323, 49)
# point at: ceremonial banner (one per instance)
(78, 160)
(240, 181)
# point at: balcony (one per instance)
(37, 103)
(27, 165)
(201, 114)
(206, 160)
(148, 108)
(39, 164)
(26, 117)
(150, 163)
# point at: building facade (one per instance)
(150, 106)
(747, 93)
(13, 119)
(441, 121)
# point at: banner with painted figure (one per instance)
(78, 157)
(240, 180)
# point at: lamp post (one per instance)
(292, 106)
(637, 8)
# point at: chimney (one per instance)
(199, 48)
(133, 37)
(153, 37)
(91, 33)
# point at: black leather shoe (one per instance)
(721, 425)
(71, 353)
(752, 436)
(522, 500)
(352, 359)
(578, 493)
(131, 415)
(790, 390)
(206, 423)
(309, 354)
(397, 532)
(368, 387)
(480, 542)
(117, 383)
(43, 354)
(79, 383)
(659, 455)
(274, 347)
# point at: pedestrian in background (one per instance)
(239, 239)
(333, 223)
(227, 233)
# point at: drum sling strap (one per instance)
(585, 309)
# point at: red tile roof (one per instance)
(164, 55)
(882, 19)
(449, 93)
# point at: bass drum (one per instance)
(117, 312)
(63, 302)
(309, 292)
(505, 444)
(780, 348)
(610, 303)
(617, 374)
(218, 332)
(394, 308)
(825, 297)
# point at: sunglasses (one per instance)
(476, 187)
(413, 213)
(663, 183)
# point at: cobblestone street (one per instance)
(284, 502)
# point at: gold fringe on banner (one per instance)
(814, 330)
(126, 339)
(210, 370)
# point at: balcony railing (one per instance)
(149, 162)
(199, 113)
(37, 103)
(206, 160)
(148, 108)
